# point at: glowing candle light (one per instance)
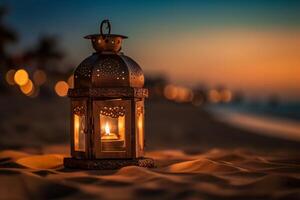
(107, 134)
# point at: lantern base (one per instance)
(107, 164)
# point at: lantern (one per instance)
(107, 108)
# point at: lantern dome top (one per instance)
(102, 70)
(106, 42)
(107, 67)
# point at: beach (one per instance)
(196, 155)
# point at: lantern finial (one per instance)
(106, 42)
(106, 21)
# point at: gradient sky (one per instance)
(252, 46)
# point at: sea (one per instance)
(285, 110)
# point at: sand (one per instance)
(197, 157)
(216, 174)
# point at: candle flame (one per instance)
(107, 129)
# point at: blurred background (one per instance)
(221, 74)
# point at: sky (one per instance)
(253, 46)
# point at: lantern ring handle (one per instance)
(108, 27)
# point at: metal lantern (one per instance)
(107, 108)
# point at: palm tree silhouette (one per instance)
(45, 52)
(7, 36)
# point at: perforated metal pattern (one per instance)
(114, 112)
(108, 70)
(136, 75)
(83, 73)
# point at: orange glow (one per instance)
(39, 77)
(71, 81)
(107, 129)
(170, 92)
(261, 62)
(10, 76)
(79, 135)
(34, 92)
(214, 96)
(27, 88)
(178, 93)
(140, 129)
(226, 96)
(108, 135)
(21, 77)
(61, 88)
(184, 95)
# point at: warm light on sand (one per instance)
(39, 77)
(21, 77)
(27, 88)
(10, 77)
(61, 88)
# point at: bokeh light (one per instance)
(10, 77)
(178, 93)
(27, 88)
(21, 77)
(184, 95)
(170, 92)
(214, 96)
(61, 88)
(226, 95)
(39, 77)
(71, 81)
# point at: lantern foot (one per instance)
(107, 164)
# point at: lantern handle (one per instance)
(108, 27)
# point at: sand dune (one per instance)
(216, 174)
(212, 160)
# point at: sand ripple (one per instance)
(217, 174)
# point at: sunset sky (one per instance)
(251, 46)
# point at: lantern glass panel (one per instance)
(79, 134)
(112, 133)
(140, 127)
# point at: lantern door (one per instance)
(112, 129)
(79, 128)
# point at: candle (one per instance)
(111, 141)
(108, 135)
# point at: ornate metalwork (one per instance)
(79, 110)
(114, 112)
(108, 70)
(109, 92)
(106, 42)
(108, 27)
(111, 84)
(140, 110)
